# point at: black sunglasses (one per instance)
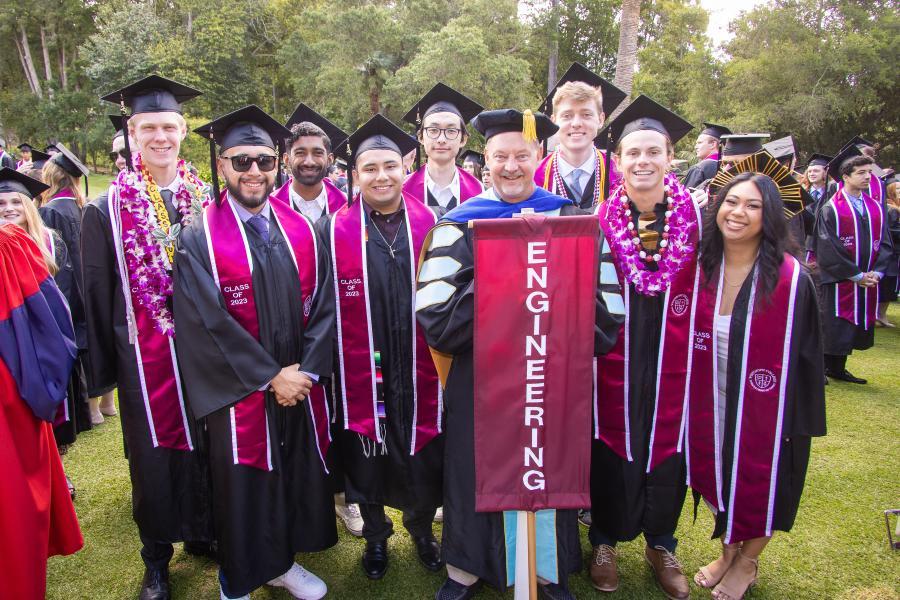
(242, 163)
(114, 156)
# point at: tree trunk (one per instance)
(374, 100)
(27, 64)
(553, 60)
(626, 58)
(63, 74)
(48, 72)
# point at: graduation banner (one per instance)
(535, 285)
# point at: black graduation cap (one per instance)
(612, 96)
(378, 133)
(782, 148)
(642, 114)
(794, 197)
(25, 147)
(743, 143)
(442, 98)
(39, 159)
(152, 94)
(473, 156)
(820, 160)
(117, 124)
(834, 167)
(713, 130)
(858, 140)
(13, 181)
(69, 162)
(304, 113)
(51, 149)
(534, 126)
(247, 126)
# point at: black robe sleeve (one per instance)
(208, 339)
(807, 377)
(834, 262)
(100, 273)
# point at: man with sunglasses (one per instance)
(255, 313)
(131, 342)
(441, 116)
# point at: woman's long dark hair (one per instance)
(776, 238)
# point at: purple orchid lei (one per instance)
(145, 255)
(679, 244)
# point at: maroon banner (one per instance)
(535, 289)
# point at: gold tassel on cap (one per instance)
(529, 126)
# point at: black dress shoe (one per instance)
(554, 591)
(847, 376)
(453, 590)
(155, 585)
(71, 487)
(375, 559)
(205, 549)
(429, 551)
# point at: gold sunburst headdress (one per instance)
(793, 195)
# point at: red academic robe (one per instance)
(37, 350)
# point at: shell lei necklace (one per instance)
(676, 248)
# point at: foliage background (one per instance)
(822, 70)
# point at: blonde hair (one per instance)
(578, 91)
(58, 180)
(35, 228)
(893, 194)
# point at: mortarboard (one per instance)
(834, 166)
(645, 114)
(378, 133)
(472, 156)
(442, 98)
(247, 126)
(534, 126)
(858, 140)
(782, 148)
(304, 113)
(116, 121)
(24, 147)
(152, 94)
(794, 197)
(612, 96)
(39, 159)
(69, 163)
(51, 149)
(14, 181)
(737, 144)
(819, 160)
(713, 130)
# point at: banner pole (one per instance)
(532, 556)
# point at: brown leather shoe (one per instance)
(668, 573)
(604, 576)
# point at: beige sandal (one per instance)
(723, 592)
(704, 577)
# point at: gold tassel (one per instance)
(529, 126)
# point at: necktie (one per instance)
(260, 225)
(575, 182)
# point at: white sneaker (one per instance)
(349, 514)
(224, 597)
(302, 584)
(439, 515)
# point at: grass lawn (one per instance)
(838, 549)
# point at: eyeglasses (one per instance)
(114, 156)
(243, 163)
(451, 133)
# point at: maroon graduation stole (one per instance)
(846, 292)
(157, 365)
(760, 410)
(232, 269)
(612, 422)
(416, 187)
(335, 198)
(547, 176)
(356, 349)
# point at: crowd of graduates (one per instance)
(275, 336)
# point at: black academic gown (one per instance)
(63, 215)
(262, 518)
(702, 171)
(386, 474)
(586, 202)
(76, 393)
(626, 500)
(804, 412)
(835, 265)
(169, 488)
(887, 287)
(474, 541)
